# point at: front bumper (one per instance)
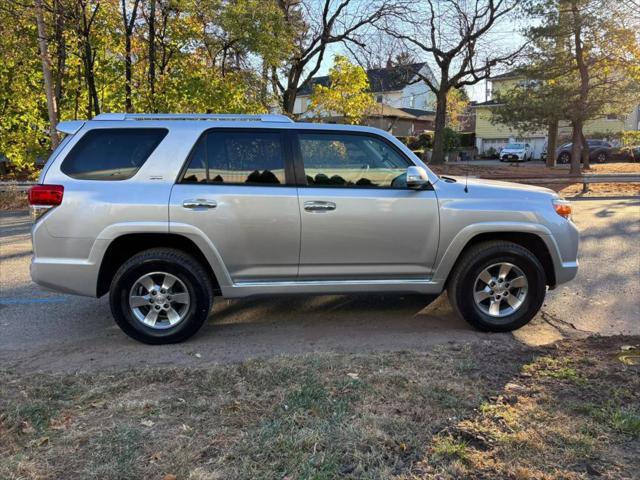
(512, 157)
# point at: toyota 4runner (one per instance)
(163, 212)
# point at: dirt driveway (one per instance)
(42, 330)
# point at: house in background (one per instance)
(496, 136)
(403, 102)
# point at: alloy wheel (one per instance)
(500, 289)
(159, 300)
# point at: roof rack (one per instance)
(194, 116)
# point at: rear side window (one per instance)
(111, 153)
(227, 157)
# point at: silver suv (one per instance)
(164, 212)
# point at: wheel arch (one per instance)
(534, 239)
(123, 247)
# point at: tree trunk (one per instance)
(152, 53)
(576, 140)
(437, 157)
(552, 143)
(289, 100)
(127, 73)
(578, 137)
(61, 50)
(94, 101)
(129, 23)
(46, 73)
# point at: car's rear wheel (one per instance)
(497, 286)
(601, 157)
(161, 295)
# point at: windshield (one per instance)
(515, 146)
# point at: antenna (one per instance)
(466, 177)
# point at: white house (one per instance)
(406, 103)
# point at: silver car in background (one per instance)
(164, 212)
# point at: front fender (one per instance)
(448, 258)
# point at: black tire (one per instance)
(564, 158)
(177, 263)
(473, 262)
(601, 157)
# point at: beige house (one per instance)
(489, 135)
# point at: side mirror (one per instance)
(416, 177)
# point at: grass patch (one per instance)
(115, 454)
(448, 449)
(483, 411)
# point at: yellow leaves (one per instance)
(347, 95)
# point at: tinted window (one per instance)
(237, 158)
(111, 154)
(351, 161)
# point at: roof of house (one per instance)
(385, 110)
(418, 112)
(488, 103)
(380, 79)
(504, 76)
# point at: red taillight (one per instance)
(46, 195)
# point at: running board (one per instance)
(322, 287)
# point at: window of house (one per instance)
(335, 160)
(248, 158)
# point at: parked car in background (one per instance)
(4, 165)
(163, 212)
(516, 152)
(599, 151)
(630, 154)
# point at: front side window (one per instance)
(252, 158)
(111, 153)
(344, 160)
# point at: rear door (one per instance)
(359, 219)
(238, 189)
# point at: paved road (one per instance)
(51, 331)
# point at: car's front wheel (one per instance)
(564, 158)
(497, 286)
(160, 296)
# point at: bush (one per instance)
(420, 142)
(451, 139)
(631, 137)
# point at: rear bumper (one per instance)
(63, 275)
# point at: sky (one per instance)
(506, 35)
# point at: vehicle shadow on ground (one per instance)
(82, 335)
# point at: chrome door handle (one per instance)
(314, 206)
(199, 203)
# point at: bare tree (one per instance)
(129, 23)
(318, 25)
(454, 35)
(52, 107)
(378, 50)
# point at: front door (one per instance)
(359, 219)
(238, 191)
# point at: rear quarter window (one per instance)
(111, 153)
